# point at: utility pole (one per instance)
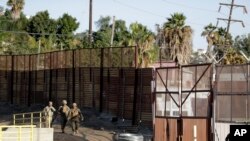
(113, 32)
(230, 20)
(61, 47)
(38, 55)
(90, 22)
(111, 41)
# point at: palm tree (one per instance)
(16, 8)
(216, 37)
(178, 38)
(144, 39)
(211, 36)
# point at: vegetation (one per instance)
(16, 8)
(233, 57)
(227, 50)
(176, 39)
(22, 35)
(144, 39)
(216, 40)
(243, 43)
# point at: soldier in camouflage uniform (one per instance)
(48, 113)
(63, 111)
(75, 116)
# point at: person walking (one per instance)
(48, 113)
(75, 116)
(63, 111)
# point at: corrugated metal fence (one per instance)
(232, 98)
(91, 77)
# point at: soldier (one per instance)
(63, 111)
(75, 116)
(48, 113)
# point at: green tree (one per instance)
(66, 26)
(103, 23)
(122, 35)
(216, 39)
(16, 8)
(8, 24)
(83, 38)
(12, 43)
(102, 36)
(178, 38)
(41, 25)
(243, 43)
(144, 39)
(233, 57)
(211, 36)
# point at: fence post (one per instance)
(135, 97)
(73, 76)
(12, 80)
(122, 86)
(101, 81)
(50, 78)
(136, 56)
(29, 90)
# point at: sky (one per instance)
(199, 13)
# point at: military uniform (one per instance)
(48, 113)
(63, 111)
(75, 116)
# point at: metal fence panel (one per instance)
(103, 78)
(184, 90)
(232, 93)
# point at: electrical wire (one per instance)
(193, 8)
(151, 13)
(138, 9)
(22, 32)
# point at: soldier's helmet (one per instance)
(74, 105)
(64, 102)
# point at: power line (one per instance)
(191, 7)
(139, 9)
(149, 12)
(23, 32)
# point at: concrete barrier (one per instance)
(39, 134)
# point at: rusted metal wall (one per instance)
(105, 79)
(167, 129)
(232, 99)
(232, 93)
(57, 84)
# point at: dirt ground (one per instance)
(85, 134)
(96, 126)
